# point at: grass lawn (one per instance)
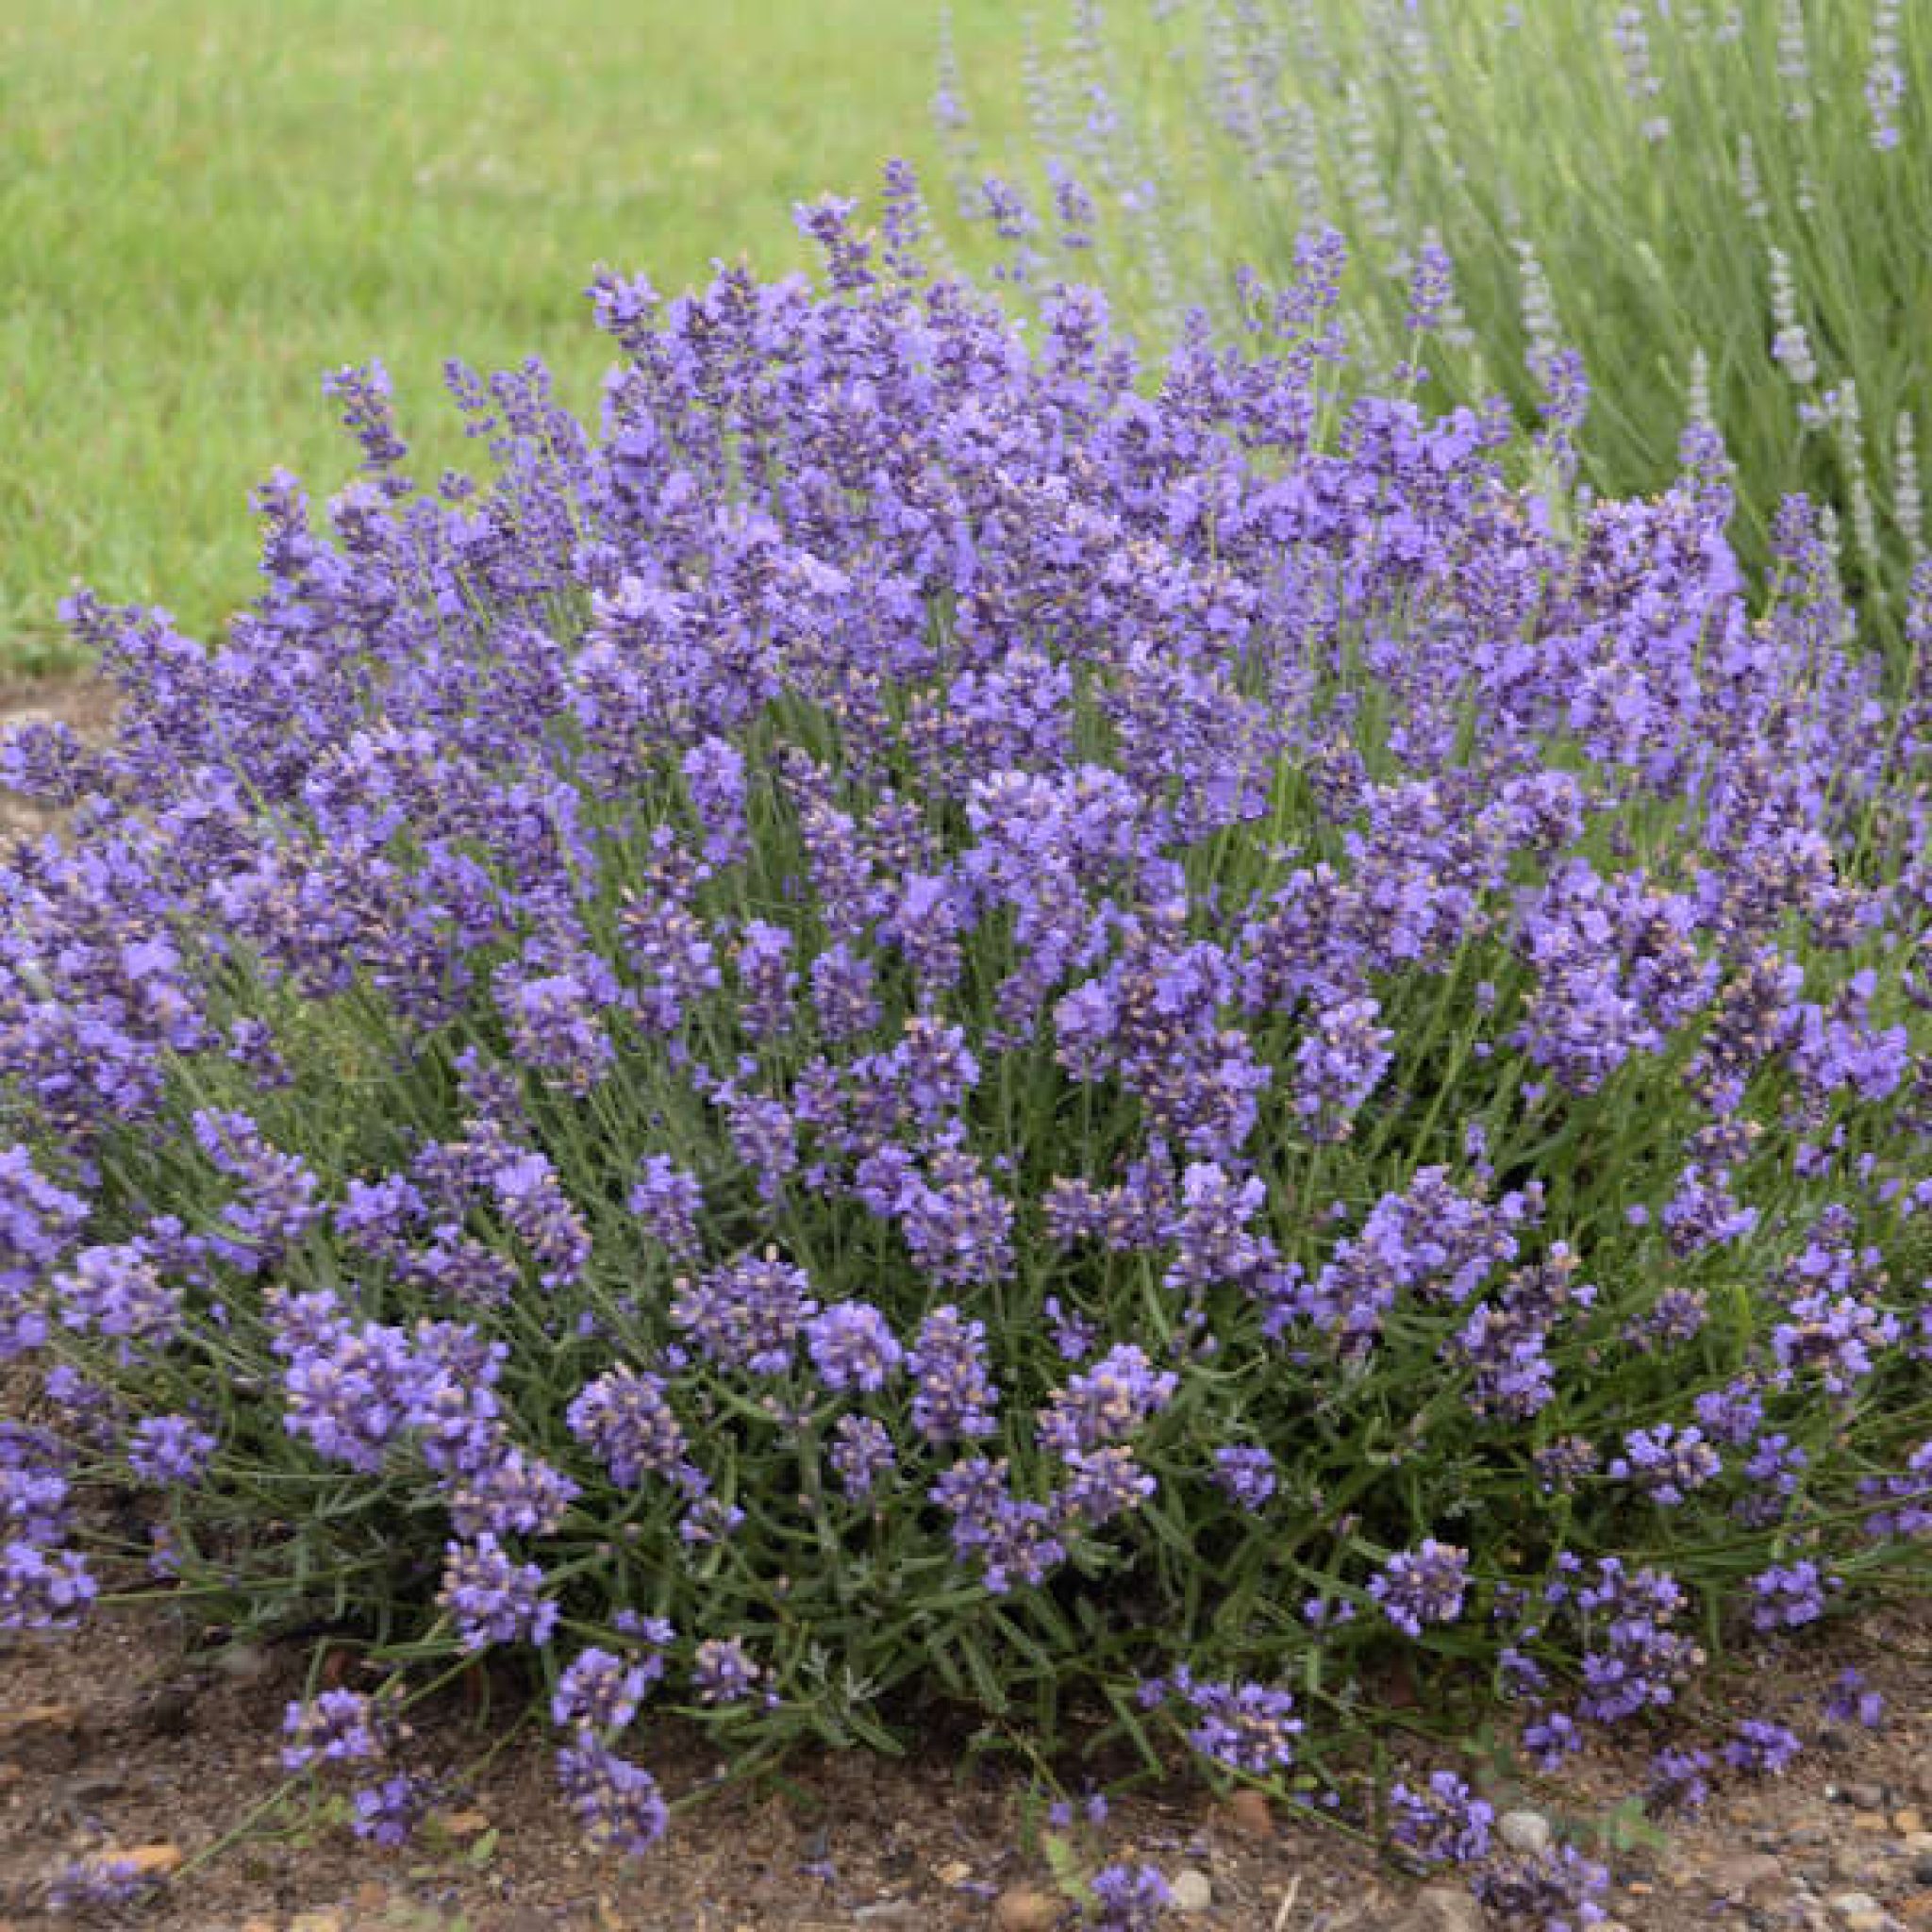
(204, 204)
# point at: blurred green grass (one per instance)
(204, 204)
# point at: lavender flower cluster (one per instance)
(946, 1017)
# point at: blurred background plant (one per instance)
(205, 206)
(1723, 209)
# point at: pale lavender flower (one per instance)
(722, 1673)
(626, 1421)
(1445, 1825)
(333, 1727)
(1128, 1898)
(1013, 1537)
(169, 1449)
(1558, 1890)
(1244, 1727)
(1422, 1586)
(954, 1398)
(747, 1314)
(1108, 1403)
(599, 1692)
(492, 1598)
(1789, 1594)
(668, 1200)
(1851, 1699)
(387, 1813)
(852, 1345)
(101, 1883)
(1678, 1781)
(617, 1803)
(1338, 1063)
(861, 1453)
(1246, 1472)
(1666, 1462)
(1761, 1748)
(43, 1590)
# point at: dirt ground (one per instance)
(136, 1735)
(131, 1733)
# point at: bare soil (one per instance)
(130, 1733)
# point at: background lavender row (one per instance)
(1725, 210)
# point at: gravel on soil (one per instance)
(134, 1733)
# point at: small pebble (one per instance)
(1248, 1812)
(168, 1712)
(1526, 1833)
(1859, 1911)
(1442, 1909)
(1922, 1869)
(1909, 1820)
(1024, 1910)
(1755, 1875)
(1855, 1865)
(1860, 1797)
(245, 1663)
(1192, 1891)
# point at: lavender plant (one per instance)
(932, 1024)
(1721, 209)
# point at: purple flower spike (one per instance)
(1761, 1749)
(617, 1803)
(492, 1598)
(1128, 1898)
(1445, 1825)
(1424, 1586)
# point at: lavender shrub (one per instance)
(938, 1021)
